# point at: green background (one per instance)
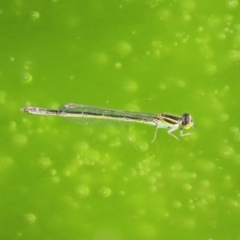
(60, 180)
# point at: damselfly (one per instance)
(87, 115)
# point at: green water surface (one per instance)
(60, 180)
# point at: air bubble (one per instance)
(186, 17)
(131, 86)
(118, 65)
(105, 192)
(204, 183)
(227, 151)
(101, 58)
(180, 83)
(164, 14)
(233, 203)
(211, 198)
(232, 3)
(237, 159)
(188, 5)
(2, 97)
(226, 88)
(222, 36)
(177, 204)
(187, 187)
(55, 179)
(20, 139)
(234, 55)
(224, 117)
(12, 126)
(30, 218)
(122, 193)
(5, 162)
(189, 223)
(83, 191)
(35, 15)
(141, 146)
(26, 78)
(45, 162)
(124, 48)
(162, 86)
(212, 69)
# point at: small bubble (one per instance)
(193, 175)
(55, 179)
(27, 66)
(233, 203)
(20, 139)
(30, 218)
(45, 162)
(101, 58)
(26, 122)
(35, 15)
(26, 78)
(141, 146)
(191, 206)
(211, 69)
(102, 137)
(237, 159)
(211, 198)
(202, 202)
(12, 126)
(207, 166)
(226, 88)
(180, 83)
(153, 189)
(118, 65)
(224, 117)
(81, 147)
(124, 48)
(164, 14)
(204, 183)
(222, 36)
(227, 151)
(227, 178)
(232, 3)
(53, 172)
(187, 187)
(235, 131)
(234, 55)
(177, 204)
(2, 97)
(132, 136)
(228, 19)
(83, 191)
(131, 86)
(188, 5)
(176, 167)
(237, 137)
(162, 86)
(152, 180)
(122, 193)
(105, 192)
(186, 17)
(5, 162)
(189, 223)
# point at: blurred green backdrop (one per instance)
(65, 181)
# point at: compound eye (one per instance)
(186, 119)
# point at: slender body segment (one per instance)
(87, 115)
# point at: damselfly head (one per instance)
(187, 121)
